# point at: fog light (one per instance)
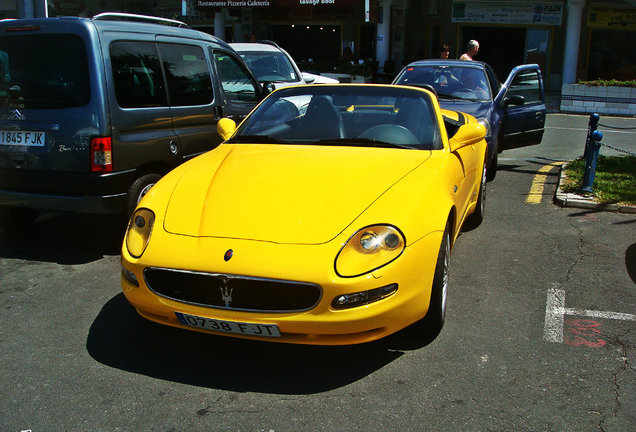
(129, 276)
(363, 297)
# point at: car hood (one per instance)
(283, 193)
(474, 108)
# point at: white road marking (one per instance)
(553, 327)
(601, 128)
(555, 312)
(600, 314)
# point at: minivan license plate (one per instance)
(22, 138)
(252, 329)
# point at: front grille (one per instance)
(231, 291)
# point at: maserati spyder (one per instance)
(327, 216)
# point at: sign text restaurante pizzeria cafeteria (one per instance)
(266, 3)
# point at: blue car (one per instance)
(513, 112)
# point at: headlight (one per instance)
(485, 123)
(139, 230)
(369, 249)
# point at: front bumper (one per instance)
(321, 325)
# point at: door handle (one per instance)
(217, 113)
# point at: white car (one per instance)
(270, 63)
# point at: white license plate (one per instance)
(252, 329)
(23, 138)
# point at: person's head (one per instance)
(444, 51)
(472, 47)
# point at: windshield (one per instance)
(46, 71)
(451, 82)
(337, 115)
(270, 66)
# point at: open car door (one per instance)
(522, 101)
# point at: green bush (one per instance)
(605, 83)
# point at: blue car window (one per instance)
(526, 84)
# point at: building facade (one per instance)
(569, 39)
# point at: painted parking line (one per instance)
(538, 183)
(555, 313)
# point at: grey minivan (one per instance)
(93, 111)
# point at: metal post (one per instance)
(590, 161)
(591, 127)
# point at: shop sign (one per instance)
(293, 3)
(206, 4)
(69, 7)
(511, 13)
(612, 18)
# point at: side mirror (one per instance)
(308, 78)
(514, 100)
(268, 87)
(467, 134)
(225, 128)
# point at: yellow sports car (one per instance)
(327, 217)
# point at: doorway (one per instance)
(317, 45)
(501, 47)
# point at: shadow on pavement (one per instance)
(120, 338)
(527, 169)
(64, 239)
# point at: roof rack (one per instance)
(117, 16)
(269, 42)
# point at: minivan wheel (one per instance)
(17, 218)
(139, 188)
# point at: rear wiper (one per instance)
(256, 139)
(362, 142)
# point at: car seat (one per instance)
(322, 120)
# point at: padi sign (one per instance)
(233, 3)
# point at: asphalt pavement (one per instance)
(539, 334)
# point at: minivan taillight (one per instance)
(101, 155)
(23, 28)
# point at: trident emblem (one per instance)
(226, 293)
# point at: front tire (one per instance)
(475, 219)
(436, 315)
(491, 172)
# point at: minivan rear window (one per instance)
(43, 71)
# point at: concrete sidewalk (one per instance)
(552, 102)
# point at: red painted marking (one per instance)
(583, 332)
